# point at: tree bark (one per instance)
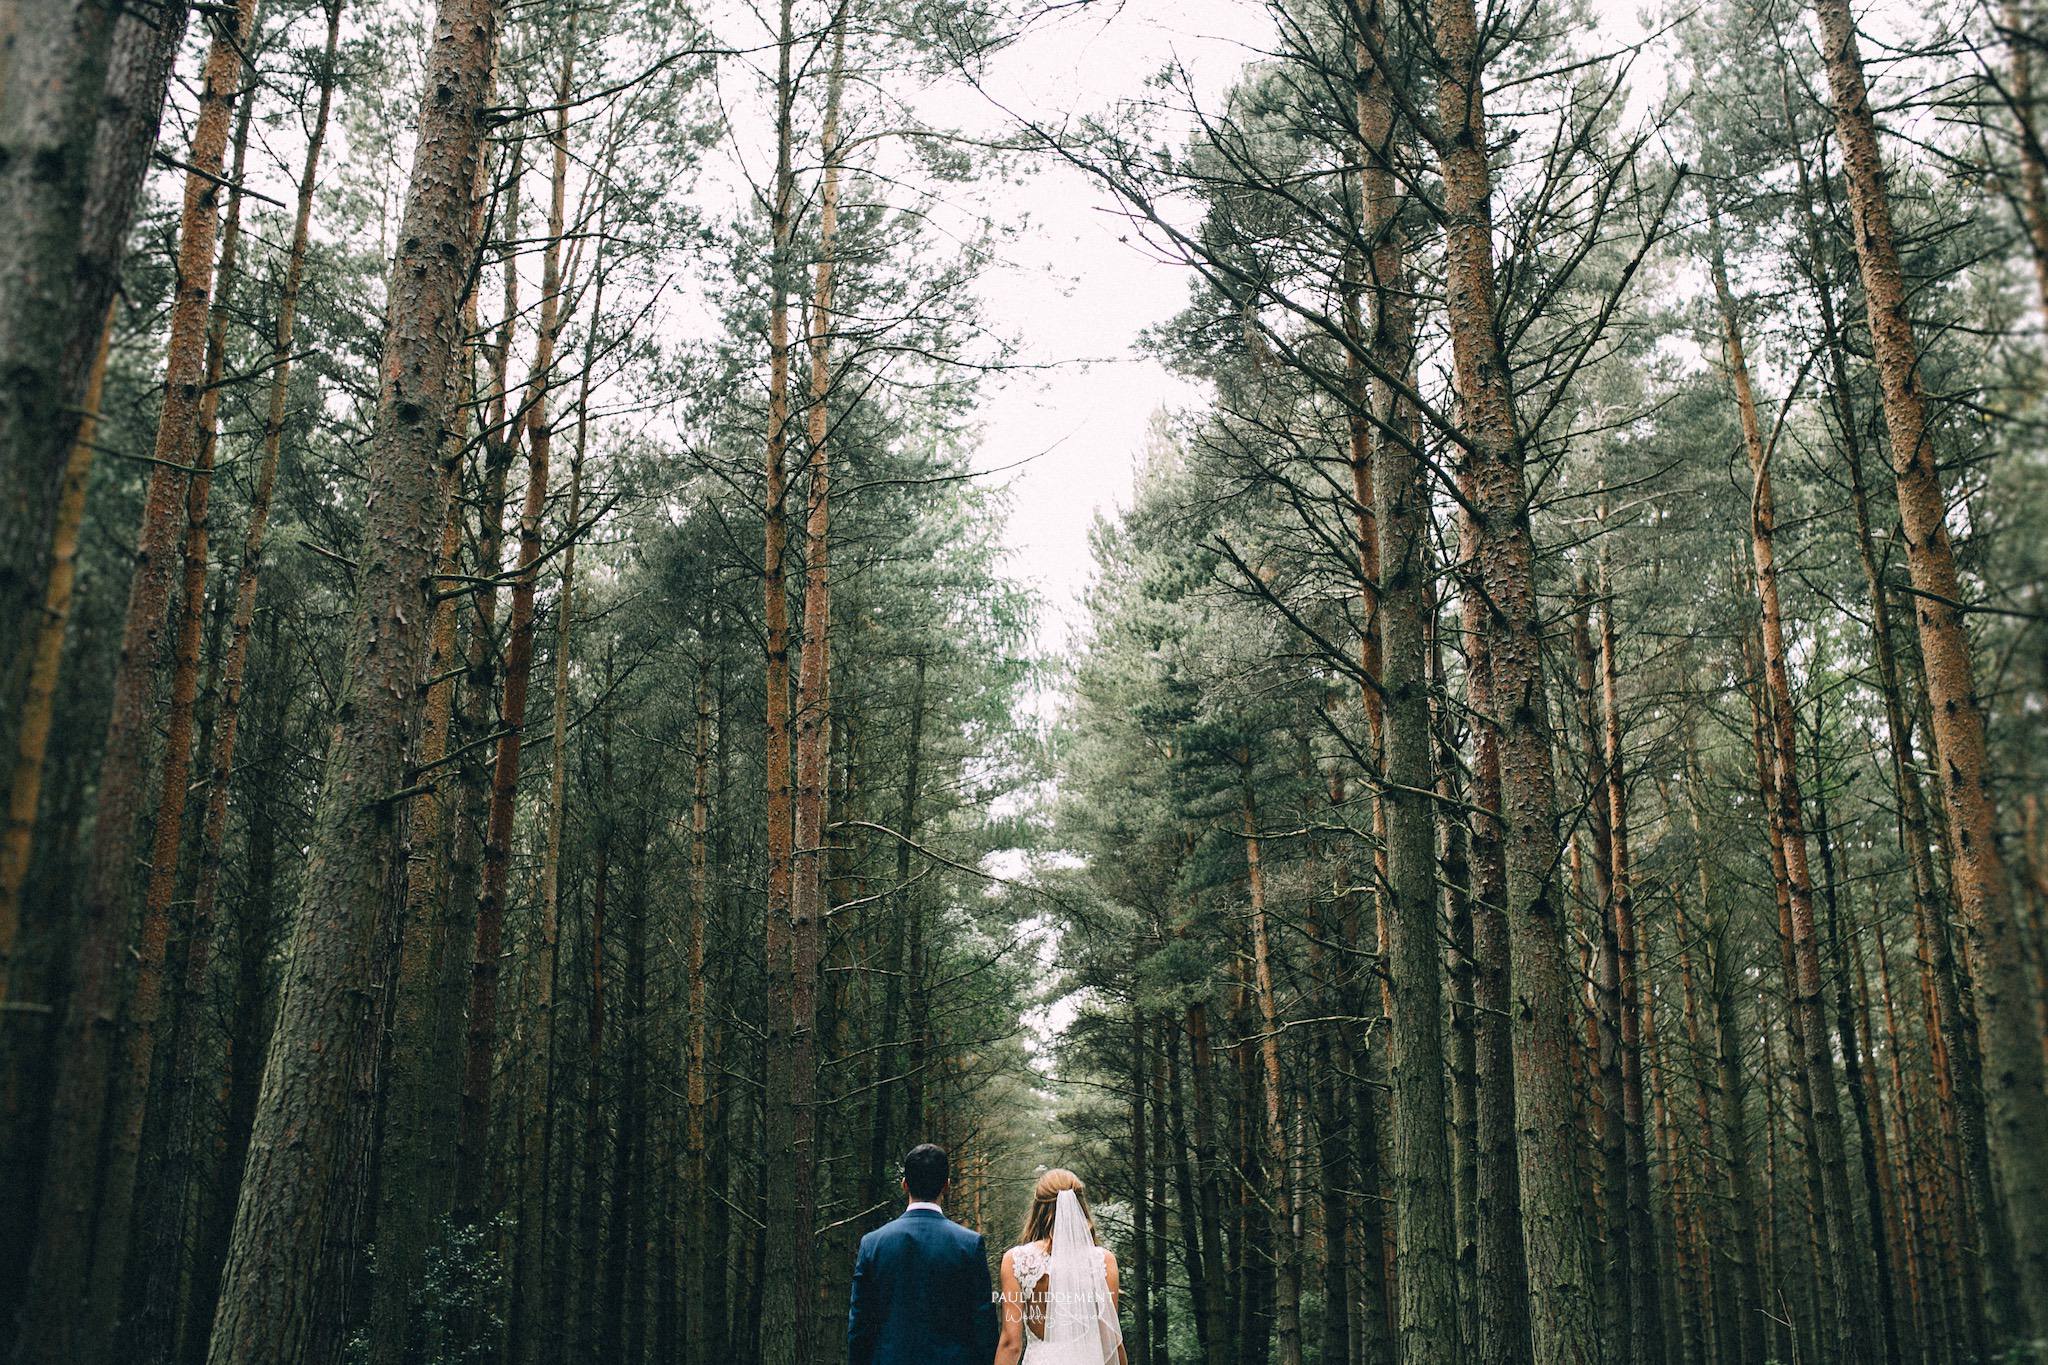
(81, 93)
(233, 669)
(1286, 1254)
(416, 1160)
(159, 1150)
(1719, 1309)
(2015, 1078)
(1675, 1276)
(1156, 1331)
(1855, 1070)
(1646, 1334)
(1454, 858)
(1844, 1258)
(1146, 1277)
(481, 1047)
(590, 1198)
(408, 1203)
(1901, 1221)
(534, 1328)
(1503, 1268)
(2032, 155)
(809, 904)
(39, 695)
(1209, 1215)
(783, 1321)
(700, 1259)
(285, 1210)
(1424, 1217)
(1911, 1202)
(1190, 1222)
(1606, 1125)
(1563, 1323)
(1818, 1281)
(1743, 1336)
(73, 1300)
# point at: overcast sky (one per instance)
(1075, 293)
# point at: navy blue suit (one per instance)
(921, 1295)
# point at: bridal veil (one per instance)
(1080, 1318)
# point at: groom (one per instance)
(920, 1284)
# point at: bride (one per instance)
(1059, 1288)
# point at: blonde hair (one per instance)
(1045, 1203)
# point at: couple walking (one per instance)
(921, 1291)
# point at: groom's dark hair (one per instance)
(924, 1170)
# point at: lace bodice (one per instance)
(1075, 1331)
(1032, 1261)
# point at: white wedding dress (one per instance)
(1080, 1318)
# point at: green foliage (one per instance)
(458, 1304)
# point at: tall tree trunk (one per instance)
(233, 667)
(1328, 916)
(1741, 1184)
(1911, 1200)
(1209, 1216)
(1855, 1072)
(1743, 1336)
(1286, 1253)
(1424, 1218)
(1675, 1278)
(2020, 39)
(135, 1155)
(902, 928)
(1900, 1220)
(1817, 1281)
(1156, 1331)
(1718, 1305)
(611, 1335)
(81, 93)
(1965, 1165)
(248, 942)
(285, 1208)
(1845, 1257)
(1146, 1277)
(701, 1259)
(72, 1302)
(2015, 1078)
(1788, 1336)
(408, 1207)
(46, 658)
(1190, 1222)
(141, 1127)
(1455, 860)
(1646, 1334)
(590, 1198)
(1606, 1122)
(1563, 1323)
(533, 1326)
(783, 1323)
(473, 1137)
(477, 704)
(1952, 1048)
(415, 1161)
(626, 1278)
(1503, 1269)
(1251, 1221)
(808, 904)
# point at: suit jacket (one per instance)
(921, 1295)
